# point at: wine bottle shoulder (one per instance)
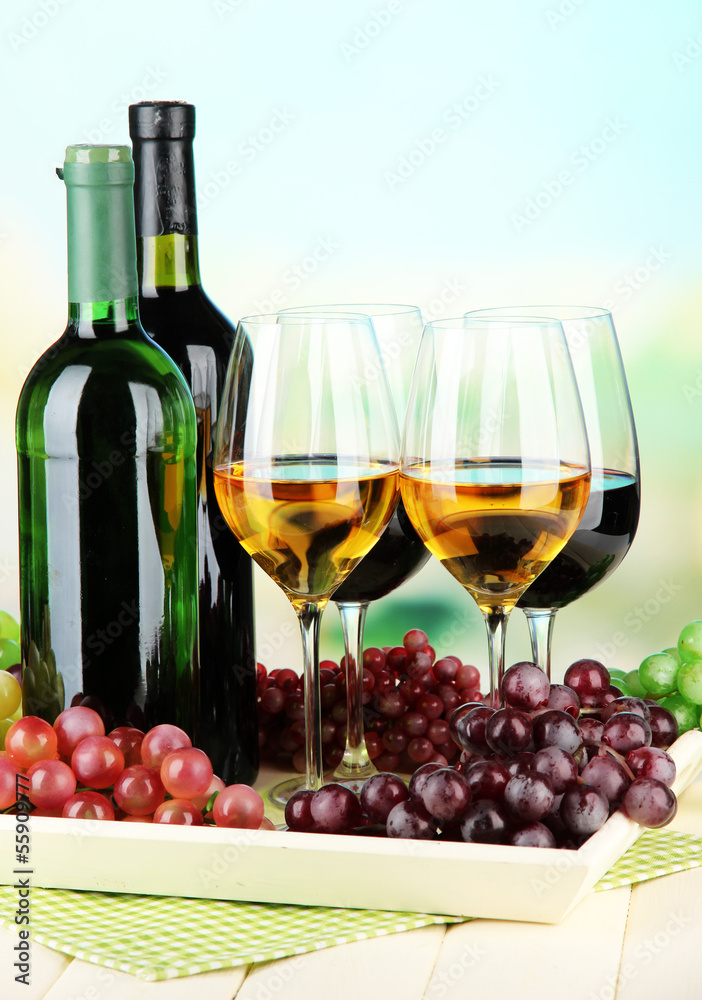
(180, 319)
(126, 380)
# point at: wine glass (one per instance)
(495, 463)
(400, 552)
(306, 468)
(611, 517)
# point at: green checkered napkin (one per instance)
(164, 937)
(655, 853)
(157, 937)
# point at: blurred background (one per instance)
(445, 153)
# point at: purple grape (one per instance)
(380, 794)
(419, 777)
(521, 763)
(591, 729)
(664, 726)
(590, 681)
(652, 762)
(410, 820)
(626, 703)
(298, 816)
(529, 797)
(468, 729)
(335, 808)
(446, 795)
(584, 809)
(626, 731)
(485, 822)
(558, 729)
(16, 671)
(607, 774)
(558, 766)
(533, 835)
(564, 698)
(650, 802)
(487, 779)
(509, 731)
(525, 686)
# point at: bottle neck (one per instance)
(93, 320)
(101, 244)
(166, 214)
(168, 261)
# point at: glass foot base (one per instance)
(285, 790)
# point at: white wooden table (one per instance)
(630, 944)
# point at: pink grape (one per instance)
(10, 791)
(88, 805)
(139, 790)
(216, 785)
(179, 812)
(186, 773)
(238, 806)
(76, 724)
(97, 761)
(30, 739)
(129, 740)
(160, 741)
(51, 784)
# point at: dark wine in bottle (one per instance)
(106, 443)
(181, 318)
(597, 546)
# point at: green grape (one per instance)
(616, 672)
(9, 628)
(9, 653)
(684, 711)
(690, 681)
(4, 726)
(673, 651)
(658, 674)
(690, 641)
(10, 694)
(621, 685)
(635, 685)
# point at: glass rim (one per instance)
(461, 322)
(357, 308)
(558, 312)
(300, 318)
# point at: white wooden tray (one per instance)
(511, 883)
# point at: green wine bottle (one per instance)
(106, 446)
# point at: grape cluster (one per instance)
(546, 770)
(73, 769)
(674, 677)
(408, 698)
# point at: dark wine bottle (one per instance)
(106, 445)
(181, 318)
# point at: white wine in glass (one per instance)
(495, 465)
(306, 469)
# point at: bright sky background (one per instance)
(450, 153)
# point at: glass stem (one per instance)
(309, 616)
(540, 622)
(355, 764)
(496, 622)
